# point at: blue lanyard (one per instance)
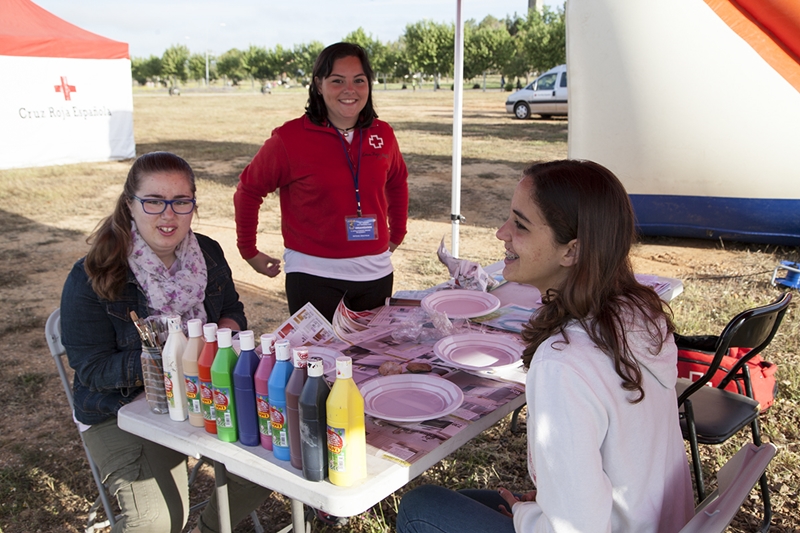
(353, 171)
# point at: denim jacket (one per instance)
(103, 346)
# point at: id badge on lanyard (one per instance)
(360, 227)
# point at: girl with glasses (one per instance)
(144, 257)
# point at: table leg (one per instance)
(223, 506)
(298, 517)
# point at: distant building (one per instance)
(535, 4)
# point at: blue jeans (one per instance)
(432, 509)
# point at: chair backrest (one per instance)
(754, 328)
(734, 481)
(52, 330)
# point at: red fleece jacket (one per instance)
(307, 163)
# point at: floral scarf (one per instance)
(177, 291)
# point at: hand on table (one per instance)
(511, 499)
(264, 264)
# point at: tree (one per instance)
(256, 62)
(174, 63)
(375, 49)
(486, 46)
(280, 60)
(430, 47)
(303, 58)
(144, 70)
(197, 67)
(544, 39)
(230, 65)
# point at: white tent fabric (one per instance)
(699, 127)
(65, 96)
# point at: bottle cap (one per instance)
(210, 332)
(195, 327)
(174, 323)
(315, 367)
(300, 356)
(247, 340)
(268, 343)
(282, 351)
(344, 367)
(224, 338)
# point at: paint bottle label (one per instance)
(336, 443)
(207, 402)
(222, 403)
(264, 420)
(193, 395)
(280, 433)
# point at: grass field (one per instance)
(47, 213)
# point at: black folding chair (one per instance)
(711, 415)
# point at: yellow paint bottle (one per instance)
(347, 443)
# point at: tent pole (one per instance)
(458, 92)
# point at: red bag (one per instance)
(694, 360)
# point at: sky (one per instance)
(151, 26)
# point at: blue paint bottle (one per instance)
(244, 390)
(277, 400)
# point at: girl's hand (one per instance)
(511, 499)
(264, 264)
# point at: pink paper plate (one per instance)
(461, 303)
(410, 397)
(478, 351)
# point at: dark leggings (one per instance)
(326, 293)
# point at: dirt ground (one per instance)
(46, 485)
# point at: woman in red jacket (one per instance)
(343, 192)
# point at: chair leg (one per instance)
(515, 419)
(696, 465)
(763, 485)
(101, 488)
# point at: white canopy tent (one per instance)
(65, 96)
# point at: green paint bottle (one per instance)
(222, 384)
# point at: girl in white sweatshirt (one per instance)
(605, 451)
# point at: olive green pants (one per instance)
(151, 483)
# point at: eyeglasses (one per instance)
(180, 206)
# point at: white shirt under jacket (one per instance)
(599, 462)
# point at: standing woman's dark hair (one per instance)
(107, 260)
(316, 110)
(585, 201)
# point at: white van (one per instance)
(545, 96)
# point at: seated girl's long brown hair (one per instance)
(585, 201)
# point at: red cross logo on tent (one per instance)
(375, 141)
(65, 88)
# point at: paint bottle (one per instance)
(347, 442)
(222, 383)
(244, 390)
(313, 422)
(172, 358)
(204, 374)
(190, 371)
(261, 381)
(278, 379)
(293, 390)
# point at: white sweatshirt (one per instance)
(599, 462)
